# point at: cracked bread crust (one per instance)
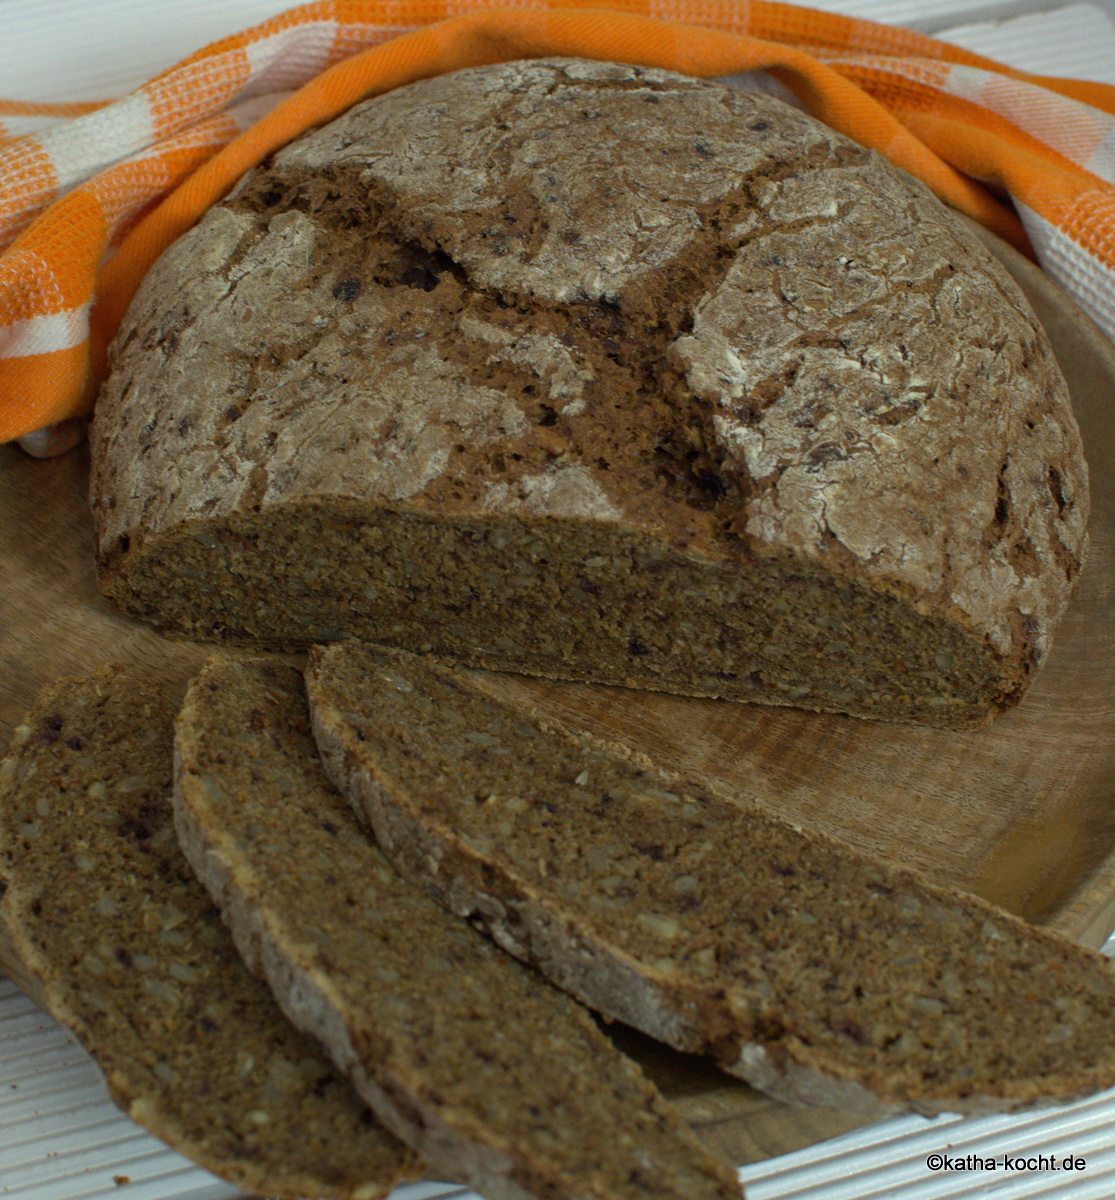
(750, 352)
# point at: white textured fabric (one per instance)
(1067, 259)
(55, 330)
(288, 58)
(97, 137)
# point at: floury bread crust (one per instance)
(499, 1080)
(747, 415)
(811, 971)
(120, 942)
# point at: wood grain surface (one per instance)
(1022, 813)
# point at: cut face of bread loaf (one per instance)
(117, 939)
(812, 972)
(498, 1079)
(598, 372)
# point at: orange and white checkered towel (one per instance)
(91, 194)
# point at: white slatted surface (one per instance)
(61, 1138)
(1002, 1157)
(1075, 42)
(81, 50)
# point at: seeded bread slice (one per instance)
(499, 1080)
(807, 969)
(117, 939)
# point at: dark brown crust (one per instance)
(753, 352)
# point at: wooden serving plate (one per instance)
(1022, 813)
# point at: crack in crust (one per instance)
(750, 339)
(593, 365)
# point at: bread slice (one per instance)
(804, 967)
(615, 374)
(115, 937)
(499, 1080)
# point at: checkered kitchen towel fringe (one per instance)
(90, 194)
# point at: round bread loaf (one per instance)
(597, 372)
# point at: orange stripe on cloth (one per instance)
(30, 184)
(883, 86)
(1035, 175)
(214, 81)
(52, 268)
(49, 269)
(1074, 130)
(45, 388)
(40, 276)
(33, 108)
